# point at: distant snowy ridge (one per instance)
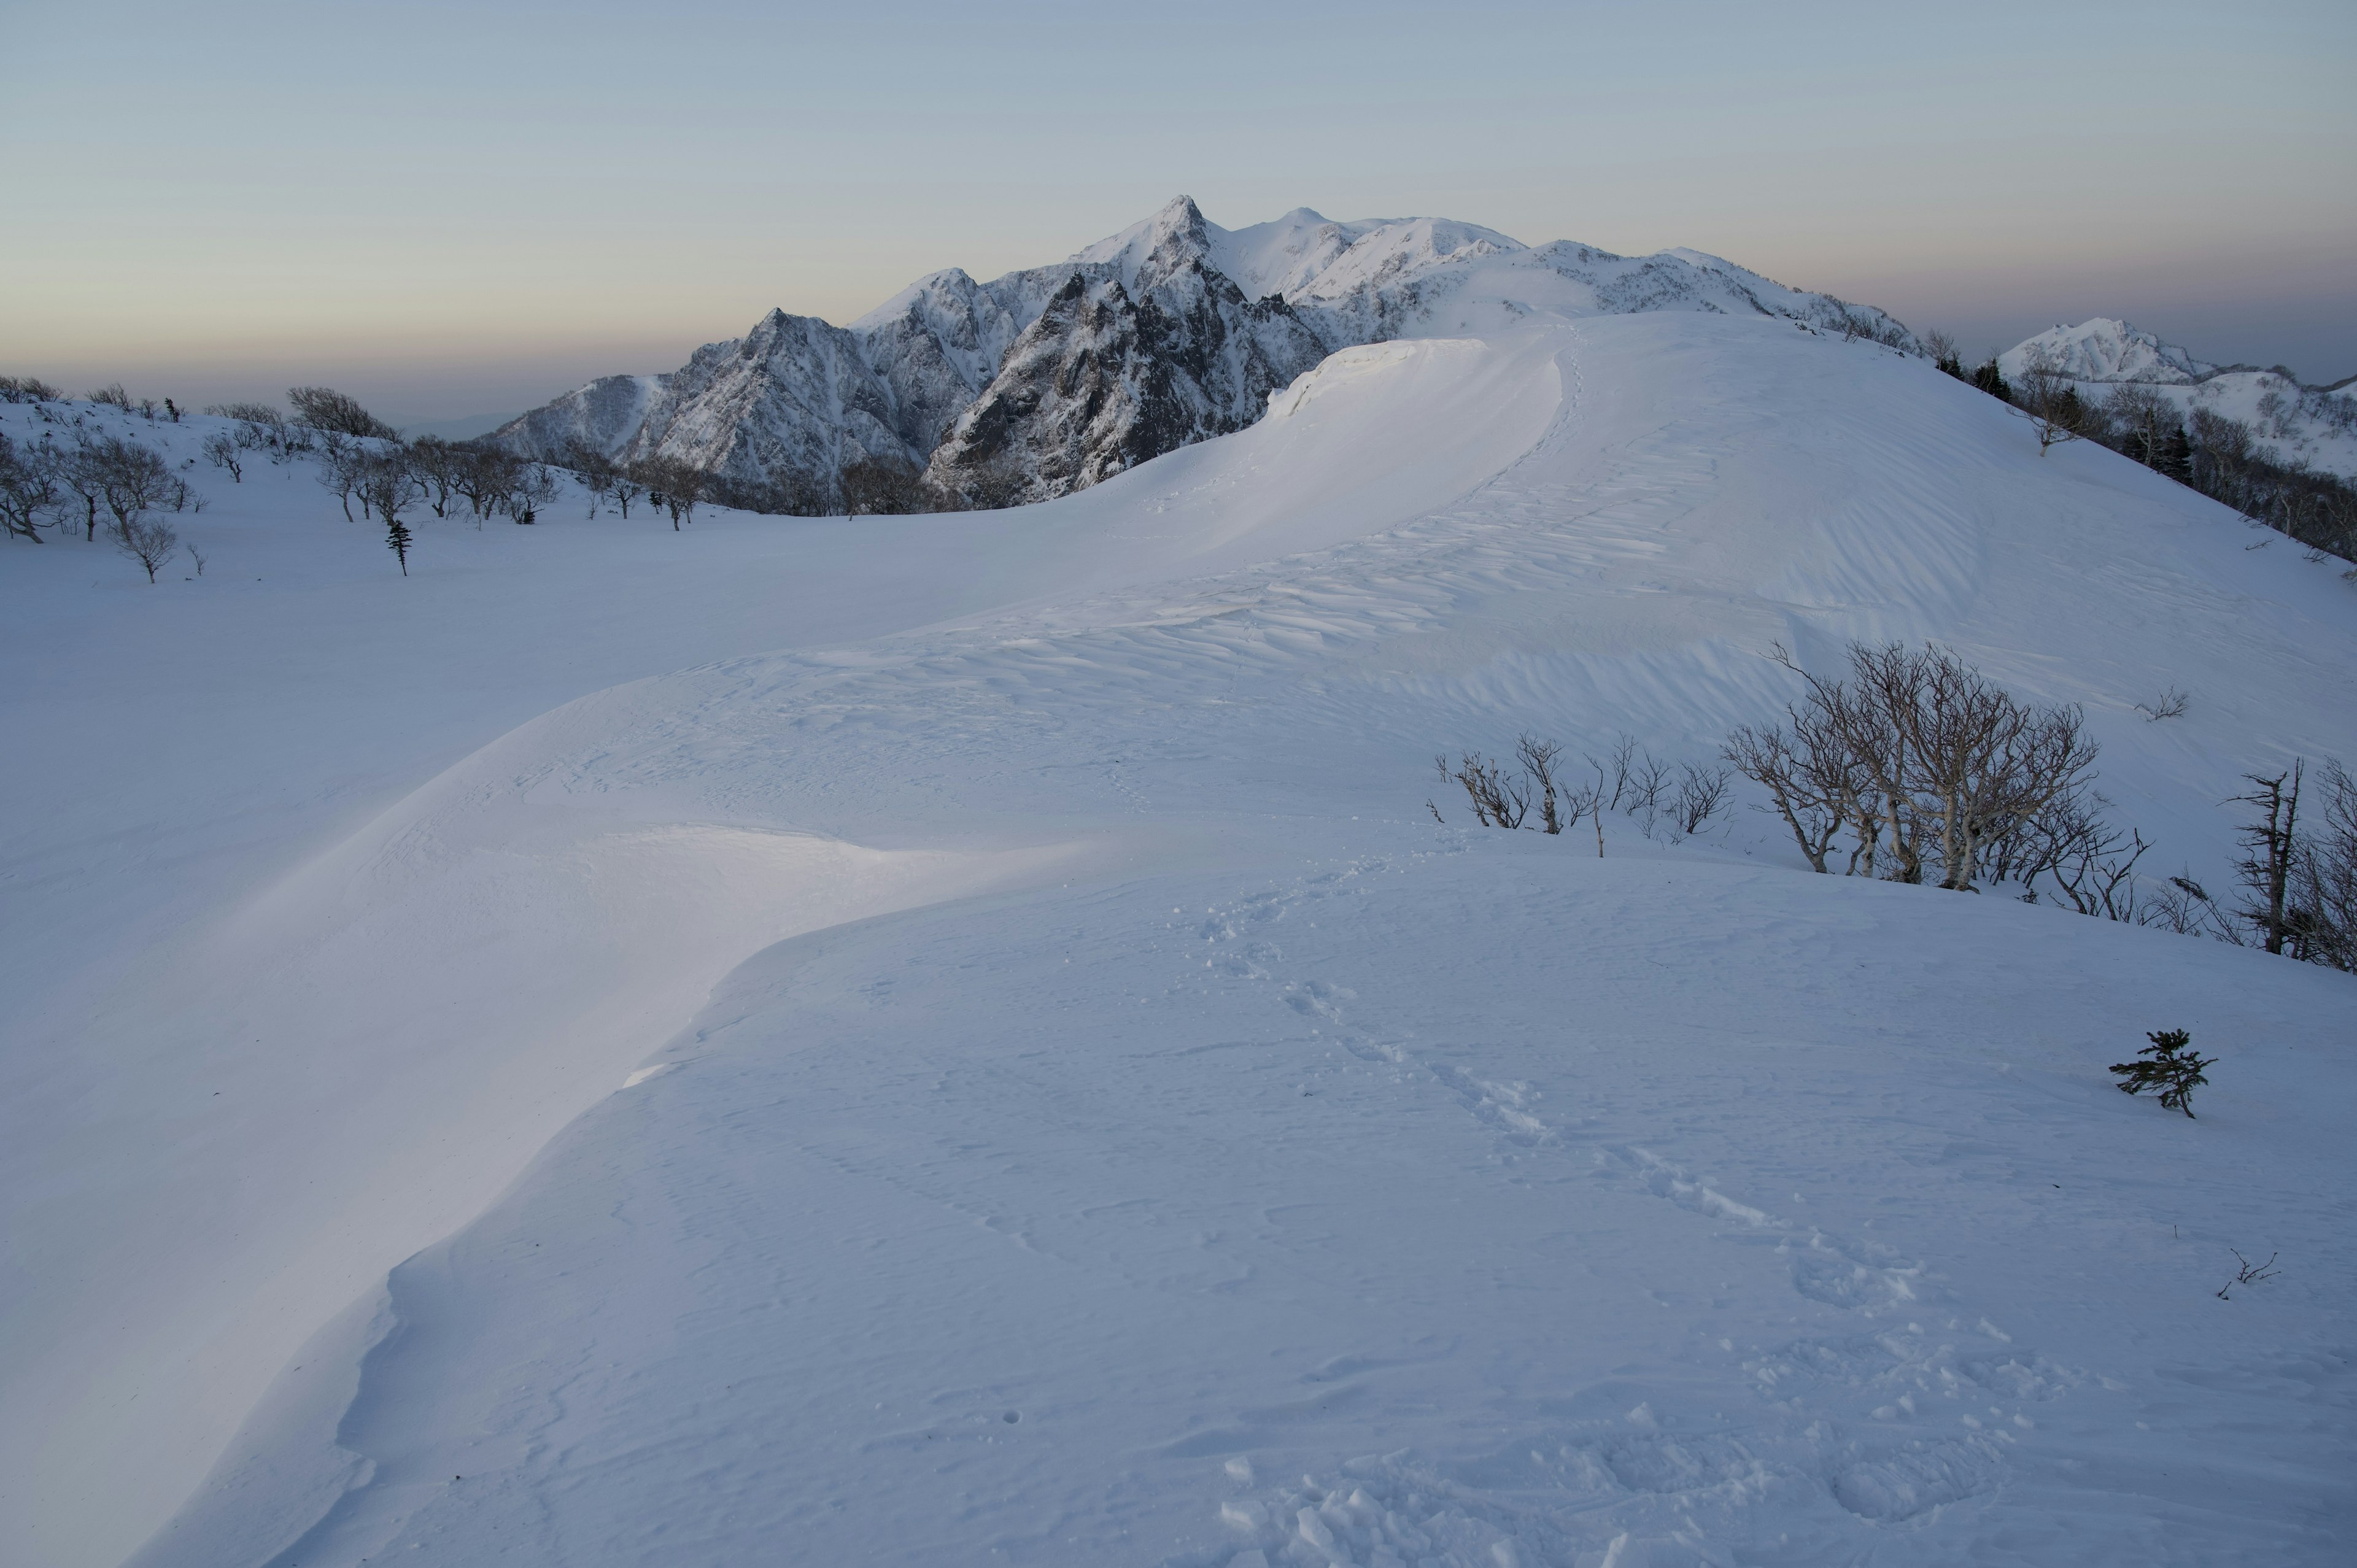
(2293, 422)
(1046, 380)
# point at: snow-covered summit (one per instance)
(1181, 329)
(2104, 349)
(2290, 423)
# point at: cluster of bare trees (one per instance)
(670, 485)
(27, 389)
(104, 482)
(1628, 778)
(2297, 870)
(390, 478)
(1914, 767)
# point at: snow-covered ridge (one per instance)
(1284, 1178)
(2291, 421)
(1049, 378)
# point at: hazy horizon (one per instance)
(221, 205)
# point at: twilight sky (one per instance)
(452, 209)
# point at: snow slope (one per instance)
(1096, 1114)
(2292, 423)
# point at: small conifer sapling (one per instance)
(2166, 1064)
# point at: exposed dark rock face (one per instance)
(1103, 381)
(1047, 380)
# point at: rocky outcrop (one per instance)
(1109, 375)
(1049, 380)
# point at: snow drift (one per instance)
(975, 1044)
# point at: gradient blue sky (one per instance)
(452, 209)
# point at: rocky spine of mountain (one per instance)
(1053, 379)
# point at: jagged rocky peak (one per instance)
(1049, 378)
(1146, 348)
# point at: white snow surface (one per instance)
(957, 1039)
(2291, 423)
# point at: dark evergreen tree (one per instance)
(2176, 456)
(1991, 379)
(398, 538)
(2166, 1064)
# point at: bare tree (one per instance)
(342, 460)
(2271, 851)
(112, 396)
(1947, 761)
(436, 463)
(2053, 405)
(884, 487)
(487, 477)
(2145, 419)
(220, 449)
(2323, 896)
(595, 471)
(626, 488)
(534, 486)
(1702, 794)
(1541, 760)
(674, 485)
(28, 487)
(324, 408)
(2091, 864)
(148, 540)
(132, 478)
(82, 473)
(389, 487)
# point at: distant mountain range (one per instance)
(1047, 380)
(2292, 422)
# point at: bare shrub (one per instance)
(1702, 794)
(1541, 762)
(222, 450)
(2170, 705)
(150, 541)
(112, 396)
(28, 488)
(1498, 799)
(1930, 765)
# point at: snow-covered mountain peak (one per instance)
(1178, 228)
(949, 284)
(2104, 349)
(1180, 329)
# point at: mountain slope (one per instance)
(1046, 380)
(2290, 423)
(1103, 1117)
